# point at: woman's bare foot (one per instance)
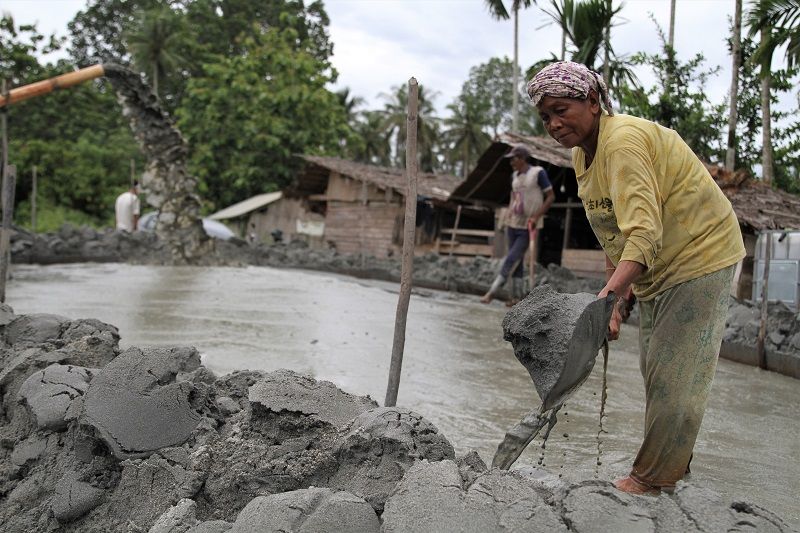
(631, 486)
(486, 298)
(512, 302)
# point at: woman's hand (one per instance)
(616, 318)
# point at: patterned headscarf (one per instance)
(566, 79)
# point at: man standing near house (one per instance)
(127, 208)
(531, 196)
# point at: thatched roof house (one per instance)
(363, 205)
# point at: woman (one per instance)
(670, 236)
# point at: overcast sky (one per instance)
(381, 43)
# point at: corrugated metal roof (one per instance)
(244, 207)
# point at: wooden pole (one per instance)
(452, 245)
(47, 86)
(567, 228)
(4, 133)
(762, 330)
(409, 229)
(9, 181)
(133, 172)
(33, 200)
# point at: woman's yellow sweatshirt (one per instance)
(649, 199)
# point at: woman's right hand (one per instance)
(616, 320)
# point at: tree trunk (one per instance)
(563, 44)
(607, 63)
(730, 156)
(515, 88)
(155, 80)
(672, 24)
(766, 116)
(671, 43)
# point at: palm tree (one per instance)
(586, 24)
(784, 17)
(153, 43)
(375, 147)
(498, 10)
(464, 132)
(349, 104)
(778, 22)
(394, 113)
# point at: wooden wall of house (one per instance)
(283, 215)
(362, 218)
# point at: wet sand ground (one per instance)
(458, 372)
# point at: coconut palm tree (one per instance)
(375, 147)
(498, 10)
(153, 43)
(778, 23)
(394, 113)
(349, 104)
(783, 16)
(464, 132)
(586, 24)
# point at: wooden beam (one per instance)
(409, 229)
(484, 178)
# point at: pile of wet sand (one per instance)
(94, 439)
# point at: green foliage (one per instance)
(394, 115)
(19, 46)
(96, 33)
(370, 143)
(499, 11)
(679, 100)
(154, 42)
(249, 114)
(78, 139)
(489, 87)
(787, 158)
(51, 216)
(584, 24)
(465, 133)
(783, 18)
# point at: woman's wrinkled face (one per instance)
(570, 121)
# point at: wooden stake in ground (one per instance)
(409, 230)
(762, 330)
(452, 246)
(9, 182)
(33, 200)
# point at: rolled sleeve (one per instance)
(635, 195)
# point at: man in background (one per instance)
(127, 208)
(531, 196)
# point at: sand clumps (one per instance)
(94, 440)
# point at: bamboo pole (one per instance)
(6, 196)
(567, 228)
(762, 330)
(452, 246)
(9, 182)
(409, 229)
(33, 199)
(47, 86)
(4, 127)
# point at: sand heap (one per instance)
(94, 439)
